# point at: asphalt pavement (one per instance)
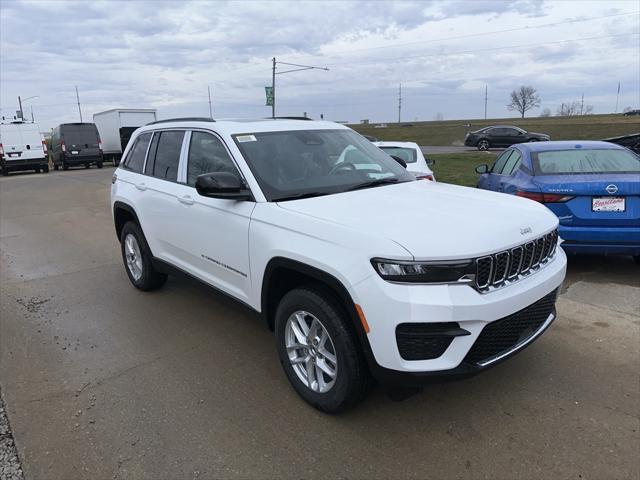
(103, 381)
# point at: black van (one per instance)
(75, 144)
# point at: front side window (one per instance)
(135, 157)
(409, 155)
(512, 163)
(585, 161)
(301, 163)
(207, 155)
(500, 161)
(167, 155)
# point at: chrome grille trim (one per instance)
(529, 257)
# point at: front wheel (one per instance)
(319, 354)
(483, 145)
(137, 259)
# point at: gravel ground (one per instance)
(9, 462)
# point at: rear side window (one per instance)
(167, 155)
(135, 158)
(207, 155)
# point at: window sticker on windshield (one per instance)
(246, 138)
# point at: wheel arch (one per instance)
(123, 213)
(284, 274)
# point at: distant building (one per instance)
(365, 121)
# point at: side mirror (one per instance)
(430, 161)
(399, 160)
(484, 168)
(222, 185)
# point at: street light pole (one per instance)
(273, 78)
(20, 104)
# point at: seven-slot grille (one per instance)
(509, 265)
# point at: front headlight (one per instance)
(425, 272)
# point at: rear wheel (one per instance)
(320, 356)
(5, 171)
(483, 145)
(45, 169)
(65, 166)
(56, 166)
(99, 164)
(137, 259)
(87, 165)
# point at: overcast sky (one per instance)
(163, 55)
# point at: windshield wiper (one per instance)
(373, 183)
(299, 196)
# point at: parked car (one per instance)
(22, 147)
(632, 141)
(630, 113)
(501, 136)
(74, 144)
(412, 155)
(593, 187)
(116, 126)
(359, 271)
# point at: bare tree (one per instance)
(524, 99)
(546, 112)
(572, 109)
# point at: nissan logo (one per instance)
(611, 189)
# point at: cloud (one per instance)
(164, 54)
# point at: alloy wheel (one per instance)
(311, 351)
(483, 145)
(133, 256)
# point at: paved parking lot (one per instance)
(104, 381)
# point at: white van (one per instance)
(22, 147)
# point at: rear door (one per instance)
(489, 181)
(81, 140)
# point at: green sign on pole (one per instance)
(269, 92)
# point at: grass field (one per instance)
(459, 168)
(452, 132)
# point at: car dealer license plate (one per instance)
(608, 204)
(74, 152)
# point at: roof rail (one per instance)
(291, 118)
(183, 119)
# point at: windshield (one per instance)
(585, 161)
(409, 155)
(300, 163)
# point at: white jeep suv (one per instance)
(361, 270)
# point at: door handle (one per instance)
(186, 199)
(141, 186)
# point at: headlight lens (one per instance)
(425, 272)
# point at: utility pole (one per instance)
(32, 114)
(274, 73)
(485, 101)
(399, 102)
(582, 105)
(617, 97)
(210, 110)
(78, 99)
(22, 114)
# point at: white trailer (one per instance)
(116, 126)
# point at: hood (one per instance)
(434, 221)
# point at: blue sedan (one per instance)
(593, 188)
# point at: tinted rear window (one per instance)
(409, 155)
(135, 158)
(80, 135)
(585, 161)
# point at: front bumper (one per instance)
(387, 305)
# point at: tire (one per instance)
(56, 166)
(87, 165)
(5, 171)
(115, 161)
(483, 145)
(352, 379)
(45, 169)
(65, 166)
(636, 258)
(139, 267)
(99, 164)
(532, 140)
